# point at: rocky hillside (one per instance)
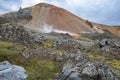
(50, 56)
(56, 54)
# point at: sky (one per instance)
(99, 11)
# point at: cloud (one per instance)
(100, 11)
(9, 5)
(27, 3)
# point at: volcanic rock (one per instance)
(12, 72)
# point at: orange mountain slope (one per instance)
(57, 18)
(49, 18)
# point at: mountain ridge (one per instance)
(44, 15)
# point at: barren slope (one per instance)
(57, 18)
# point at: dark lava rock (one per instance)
(21, 17)
(18, 33)
(108, 45)
(98, 71)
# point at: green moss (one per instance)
(36, 68)
(91, 56)
(96, 57)
(42, 69)
(57, 51)
(48, 44)
(114, 63)
(7, 52)
(5, 48)
(4, 44)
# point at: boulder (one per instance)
(109, 45)
(90, 70)
(79, 67)
(98, 71)
(12, 72)
(59, 58)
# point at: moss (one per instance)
(57, 51)
(96, 57)
(5, 44)
(41, 69)
(36, 68)
(114, 63)
(7, 52)
(48, 44)
(5, 48)
(91, 56)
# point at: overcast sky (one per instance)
(100, 11)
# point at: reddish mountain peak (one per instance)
(58, 18)
(43, 4)
(48, 18)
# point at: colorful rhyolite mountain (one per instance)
(47, 18)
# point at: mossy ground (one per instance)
(5, 48)
(37, 69)
(42, 69)
(97, 55)
(46, 69)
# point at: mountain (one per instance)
(47, 18)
